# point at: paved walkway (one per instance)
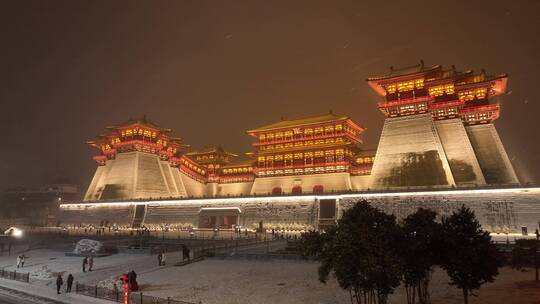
(47, 294)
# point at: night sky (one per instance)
(211, 70)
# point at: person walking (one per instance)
(185, 252)
(90, 263)
(163, 259)
(22, 260)
(84, 263)
(18, 261)
(160, 258)
(69, 282)
(59, 283)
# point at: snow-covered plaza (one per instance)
(230, 280)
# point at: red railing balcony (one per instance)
(399, 102)
(444, 104)
(314, 137)
(301, 166)
(482, 108)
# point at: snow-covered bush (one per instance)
(87, 246)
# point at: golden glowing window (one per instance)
(329, 152)
(269, 147)
(329, 129)
(339, 128)
(419, 83)
(319, 142)
(308, 154)
(270, 136)
(308, 132)
(319, 153)
(466, 95)
(288, 134)
(329, 140)
(280, 146)
(270, 158)
(340, 151)
(391, 88)
(288, 156)
(309, 143)
(318, 130)
(288, 145)
(436, 91)
(481, 93)
(278, 157)
(261, 158)
(262, 137)
(449, 89)
(279, 135)
(405, 86)
(154, 134)
(298, 155)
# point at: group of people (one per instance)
(20, 260)
(88, 261)
(60, 282)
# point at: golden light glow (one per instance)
(405, 86)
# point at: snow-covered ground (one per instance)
(238, 281)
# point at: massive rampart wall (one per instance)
(498, 210)
(410, 154)
(491, 155)
(459, 152)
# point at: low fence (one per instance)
(259, 256)
(117, 295)
(14, 275)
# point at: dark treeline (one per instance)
(371, 254)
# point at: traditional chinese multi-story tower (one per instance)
(439, 129)
(137, 159)
(313, 154)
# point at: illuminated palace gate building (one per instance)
(438, 135)
(439, 129)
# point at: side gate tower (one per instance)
(439, 130)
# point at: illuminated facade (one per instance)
(438, 133)
(140, 160)
(439, 129)
(302, 174)
(311, 155)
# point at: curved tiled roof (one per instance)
(300, 122)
